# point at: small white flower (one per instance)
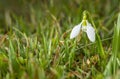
(86, 27)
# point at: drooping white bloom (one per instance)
(86, 27)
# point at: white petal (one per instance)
(90, 32)
(75, 31)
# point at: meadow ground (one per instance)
(35, 39)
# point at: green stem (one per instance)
(99, 43)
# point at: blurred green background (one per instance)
(32, 11)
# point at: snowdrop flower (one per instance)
(86, 27)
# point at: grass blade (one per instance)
(112, 65)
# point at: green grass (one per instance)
(35, 40)
(114, 63)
